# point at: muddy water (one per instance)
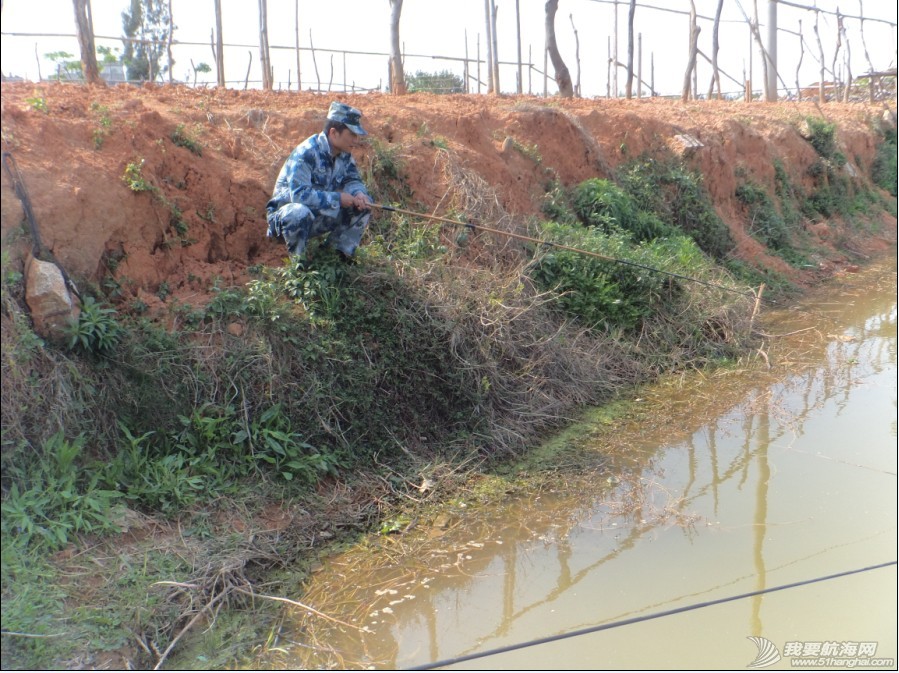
(740, 482)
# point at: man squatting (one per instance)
(319, 190)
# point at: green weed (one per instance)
(96, 330)
(56, 497)
(182, 138)
(133, 177)
(883, 170)
(677, 197)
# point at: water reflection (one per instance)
(749, 480)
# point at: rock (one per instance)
(684, 144)
(48, 298)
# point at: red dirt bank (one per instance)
(72, 156)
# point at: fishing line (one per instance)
(644, 618)
(559, 246)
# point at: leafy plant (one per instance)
(822, 136)
(38, 103)
(597, 292)
(271, 440)
(95, 331)
(604, 205)
(104, 124)
(184, 139)
(883, 170)
(133, 177)
(56, 497)
(765, 223)
(676, 195)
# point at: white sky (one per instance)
(438, 27)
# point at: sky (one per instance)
(439, 28)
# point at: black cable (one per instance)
(38, 250)
(635, 620)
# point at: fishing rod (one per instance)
(560, 246)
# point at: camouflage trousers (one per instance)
(297, 224)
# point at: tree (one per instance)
(693, 50)
(264, 53)
(563, 78)
(147, 26)
(397, 77)
(444, 81)
(629, 86)
(218, 50)
(85, 25)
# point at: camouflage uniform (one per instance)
(306, 199)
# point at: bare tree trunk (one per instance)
(318, 79)
(85, 24)
(758, 39)
(821, 95)
(219, 45)
(846, 91)
(629, 90)
(264, 53)
(168, 44)
(691, 57)
(799, 64)
(836, 53)
(861, 30)
(716, 74)
(563, 78)
(609, 67)
(639, 65)
(296, 29)
(577, 57)
(615, 49)
(771, 81)
(489, 20)
(496, 86)
(465, 72)
(397, 76)
(520, 87)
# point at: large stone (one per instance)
(48, 298)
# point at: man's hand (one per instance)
(358, 201)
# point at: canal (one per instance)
(749, 519)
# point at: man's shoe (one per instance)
(346, 259)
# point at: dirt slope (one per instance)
(73, 144)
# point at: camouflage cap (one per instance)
(343, 113)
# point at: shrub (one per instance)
(677, 197)
(883, 171)
(765, 223)
(596, 292)
(602, 204)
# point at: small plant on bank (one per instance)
(104, 124)
(38, 103)
(182, 138)
(95, 331)
(765, 223)
(133, 177)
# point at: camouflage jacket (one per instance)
(312, 177)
